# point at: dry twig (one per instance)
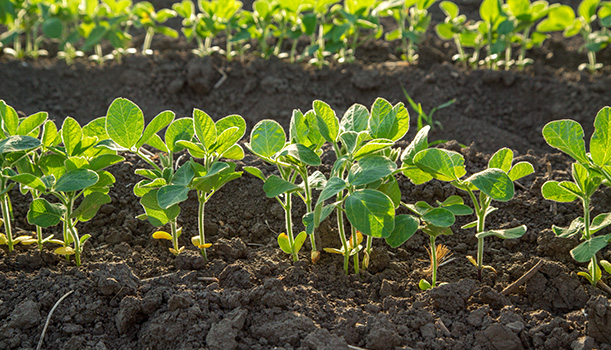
(44, 329)
(525, 277)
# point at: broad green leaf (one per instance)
(552, 190)
(370, 169)
(302, 154)
(283, 243)
(180, 129)
(388, 122)
(170, 195)
(599, 222)
(275, 186)
(371, 212)
(392, 190)
(459, 209)
(299, 240)
(148, 173)
(600, 143)
(355, 119)
(124, 122)
(490, 10)
(50, 136)
(328, 124)
(45, 214)
(9, 118)
(162, 120)
(75, 180)
(567, 136)
(31, 123)
(196, 150)
(442, 164)
(232, 121)
(566, 232)
(255, 172)
(235, 152)
(334, 186)
(90, 206)
(157, 216)
(440, 217)
(495, 183)
(298, 128)
(405, 227)
(417, 176)
(587, 9)
(451, 9)
(52, 164)
(71, 135)
(30, 181)
(588, 249)
(372, 146)
(313, 133)
(18, 143)
(520, 170)
(502, 159)
(96, 128)
(74, 163)
(204, 128)
(509, 233)
(225, 139)
(103, 161)
(183, 175)
(267, 138)
(419, 143)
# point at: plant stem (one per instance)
(461, 52)
(355, 244)
(174, 232)
(150, 31)
(289, 225)
(433, 262)
(72, 231)
(228, 45)
(308, 203)
(200, 227)
(39, 237)
(342, 237)
(6, 216)
(587, 235)
(592, 61)
(148, 160)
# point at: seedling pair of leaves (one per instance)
(589, 171)
(166, 185)
(292, 158)
(493, 183)
(69, 172)
(362, 178)
(433, 221)
(153, 21)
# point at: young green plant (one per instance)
(493, 183)
(423, 117)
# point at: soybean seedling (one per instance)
(434, 222)
(590, 170)
(15, 144)
(493, 183)
(423, 117)
(165, 185)
(361, 180)
(69, 173)
(146, 17)
(268, 142)
(212, 142)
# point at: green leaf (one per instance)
(587, 9)
(440, 217)
(275, 186)
(520, 170)
(419, 143)
(235, 152)
(405, 227)
(371, 212)
(283, 242)
(52, 164)
(232, 121)
(334, 186)
(90, 206)
(388, 122)
(576, 227)
(157, 216)
(552, 190)
(162, 120)
(169, 195)
(502, 159)
(267, 138)
(567, 136)
(588, 249)
(9, 117)
(600, 221)
(355, 119)
(302, 154)
(442, 164)
(50, 136)
(298, 128)
(392, 190)
(600, 143)
(490, 10)
(71, 135)
(370, 169)
(204, 127)
(183, 175)
(299, 240)
(124, 122)
(371, 147)
(450, 9)
(104, 160)
(45, 214)
(30, 181)
(31, 123)
(18, 143)
(509, 233)
(75, 180)
(180, 129)
(495, 183)
(52, 28)
(255, 172)
(328, 124)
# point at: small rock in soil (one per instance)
(230, 249)
(499, 337)
(190, 260)
(180, 301)
(112, 279)
(382, 333)
(453, 297)
(322, 339)
(598, 310)
(26, 315)
(235, 275)
(222, 334)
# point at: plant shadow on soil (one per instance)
(132, 293)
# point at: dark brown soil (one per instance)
(132, 293)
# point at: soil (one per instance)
(132, 293)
